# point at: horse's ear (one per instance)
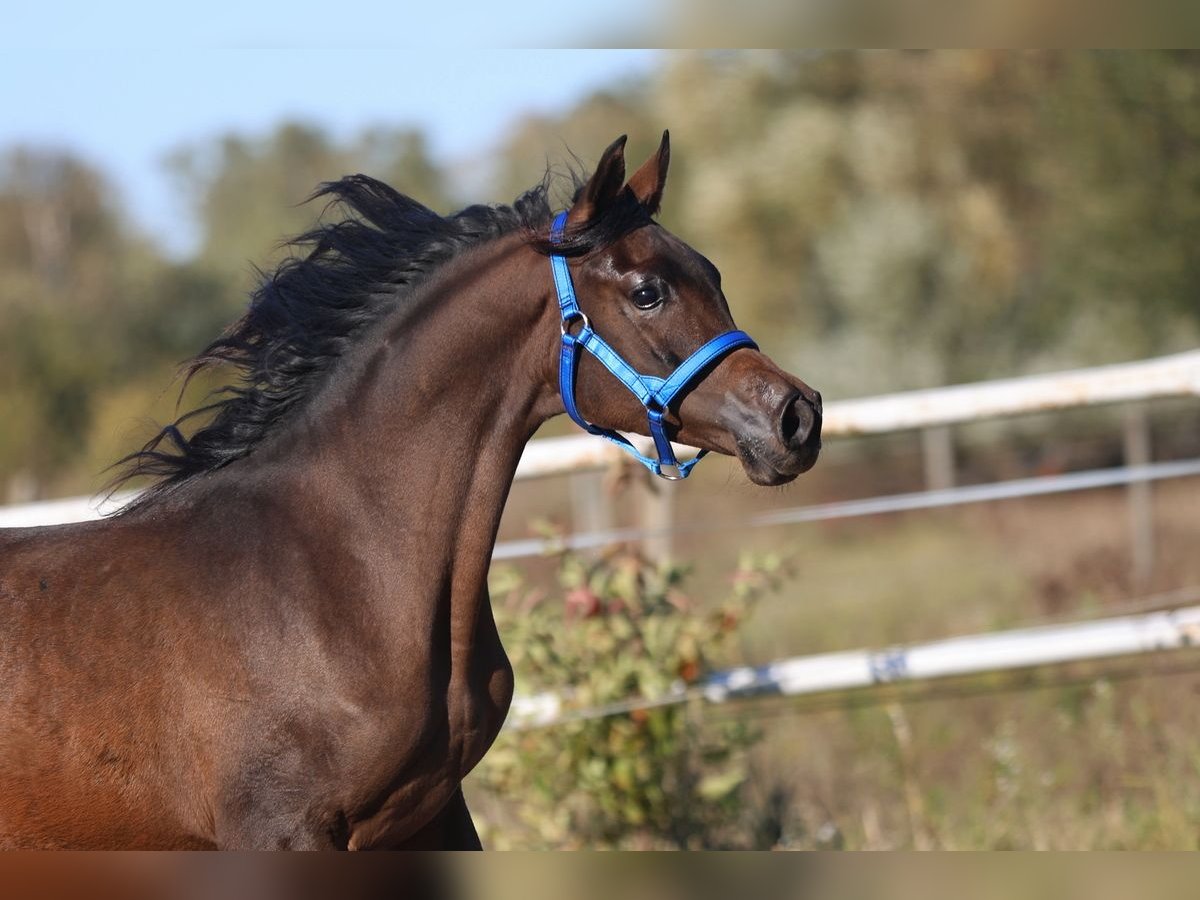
(648, 182)
(603, 187)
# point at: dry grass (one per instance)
(1099, 756)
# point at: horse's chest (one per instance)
(422, 779)
(477, 714)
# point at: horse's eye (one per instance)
(647, 296)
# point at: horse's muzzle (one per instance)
(778, 448)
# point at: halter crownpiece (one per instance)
(655, 394)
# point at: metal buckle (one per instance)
(565, 325)
(661, 473)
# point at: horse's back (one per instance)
(80, 659)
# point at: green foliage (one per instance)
(248, 193)
(623, 629)
(68, 270)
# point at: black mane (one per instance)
(342, 276)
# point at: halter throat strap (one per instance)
(655, 394)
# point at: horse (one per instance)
(286, 642)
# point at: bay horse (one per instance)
(286, 641)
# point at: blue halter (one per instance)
(656, 394)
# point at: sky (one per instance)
(126, 108)
(318, 24)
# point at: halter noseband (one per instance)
(656, 394)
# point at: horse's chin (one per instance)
(774, 471)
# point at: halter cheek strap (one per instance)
(655, 394)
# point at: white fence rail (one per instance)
(1168, 376)
(977, 654)
(868, 506)
(59, 512)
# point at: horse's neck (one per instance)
(411, 452)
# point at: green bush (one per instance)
(622, 629)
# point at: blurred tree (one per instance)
(249, 193)
(955, 215)
(57, 226)
(1123, 204)
(69, 270)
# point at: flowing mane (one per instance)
(341, 277)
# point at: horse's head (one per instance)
(655, 301)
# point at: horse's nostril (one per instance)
(790, 423)
(796, 421)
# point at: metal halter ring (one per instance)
(661, 472)
(565, 325)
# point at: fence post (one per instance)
(937, 449)
(1140, 494)
(591, 509)
(656, 509)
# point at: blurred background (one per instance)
(884, 221)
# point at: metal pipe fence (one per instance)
(868, 506)
(846, 671)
